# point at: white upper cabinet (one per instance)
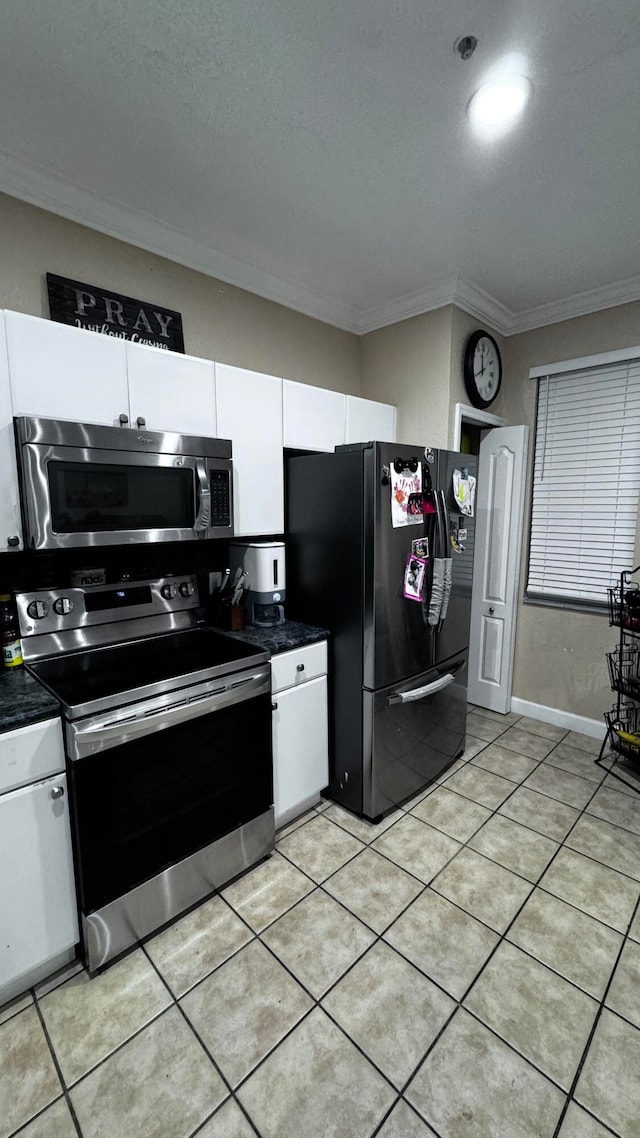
(58, 372)
(314, 418)
(367, 420)
(10, 524)
(249, 412)
(171, 392)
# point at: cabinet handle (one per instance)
(123, 420)
(274, 707)
(13, 542)
(300, 668)
(57, 791)
(141, 421)
(491, 611)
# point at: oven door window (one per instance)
(147, 804)
(101, 497)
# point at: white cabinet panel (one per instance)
(298, 666)
(171, 392)
(300, 746)
(368, 420)
(314, 419)
(10, 523)
(38, 917)
(30, 753)
(249, 412)
(58, 372)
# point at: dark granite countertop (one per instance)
(281, 637)
(23, 700)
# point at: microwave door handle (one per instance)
(203, 517)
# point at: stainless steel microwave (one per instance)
(83, 484)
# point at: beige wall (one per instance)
(220, 322)
(559, 658)
(409, 364)
(462, 325)
(417, 364)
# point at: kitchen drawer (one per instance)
(288, 669)
(30, 753)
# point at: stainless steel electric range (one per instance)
(167, 728)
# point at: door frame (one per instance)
(466, 414)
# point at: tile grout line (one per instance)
(176, 1003)
(378, 937)
(63, 1083)
(502, 938)
(598, 1017)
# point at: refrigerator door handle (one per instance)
(420, 693)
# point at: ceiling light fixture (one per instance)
(499, 101)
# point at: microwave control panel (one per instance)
(220, 486)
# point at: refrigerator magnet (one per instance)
(420, 547)
(404, 486)
(414, 575)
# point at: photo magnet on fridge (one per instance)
(414, 575)
(420, 547)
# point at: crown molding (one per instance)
(32, 183)
(404, 307)
(581, 304)
(40, 187)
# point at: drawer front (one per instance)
(30, 753)
(288, 669)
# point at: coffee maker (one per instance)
(263, 562)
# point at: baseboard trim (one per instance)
(593, 727)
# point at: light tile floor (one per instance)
(469, 968)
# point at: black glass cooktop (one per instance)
(102, 673)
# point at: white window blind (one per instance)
(586, 482)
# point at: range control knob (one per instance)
(169, 592)
(37, 609)
(63, 605)
(187, 589)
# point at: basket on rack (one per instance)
(624, 671)
(624, 606)
(623, 732)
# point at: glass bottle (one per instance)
(9, 633)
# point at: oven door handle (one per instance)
(101, 735)
(203, 517)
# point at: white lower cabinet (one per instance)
(38, 915)
(300, 731)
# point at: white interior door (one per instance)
(496, 569)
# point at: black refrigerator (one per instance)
(397, 681)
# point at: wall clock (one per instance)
(482, 369)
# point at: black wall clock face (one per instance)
(482, 369)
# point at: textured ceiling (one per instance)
(322, 149)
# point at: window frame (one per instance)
(565, 367)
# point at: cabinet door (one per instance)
(249, 407)
(58, 372)
(367, 420)
(38, 918)
(171, 392)
(314, 419)
(300, 745)
(10, 523)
